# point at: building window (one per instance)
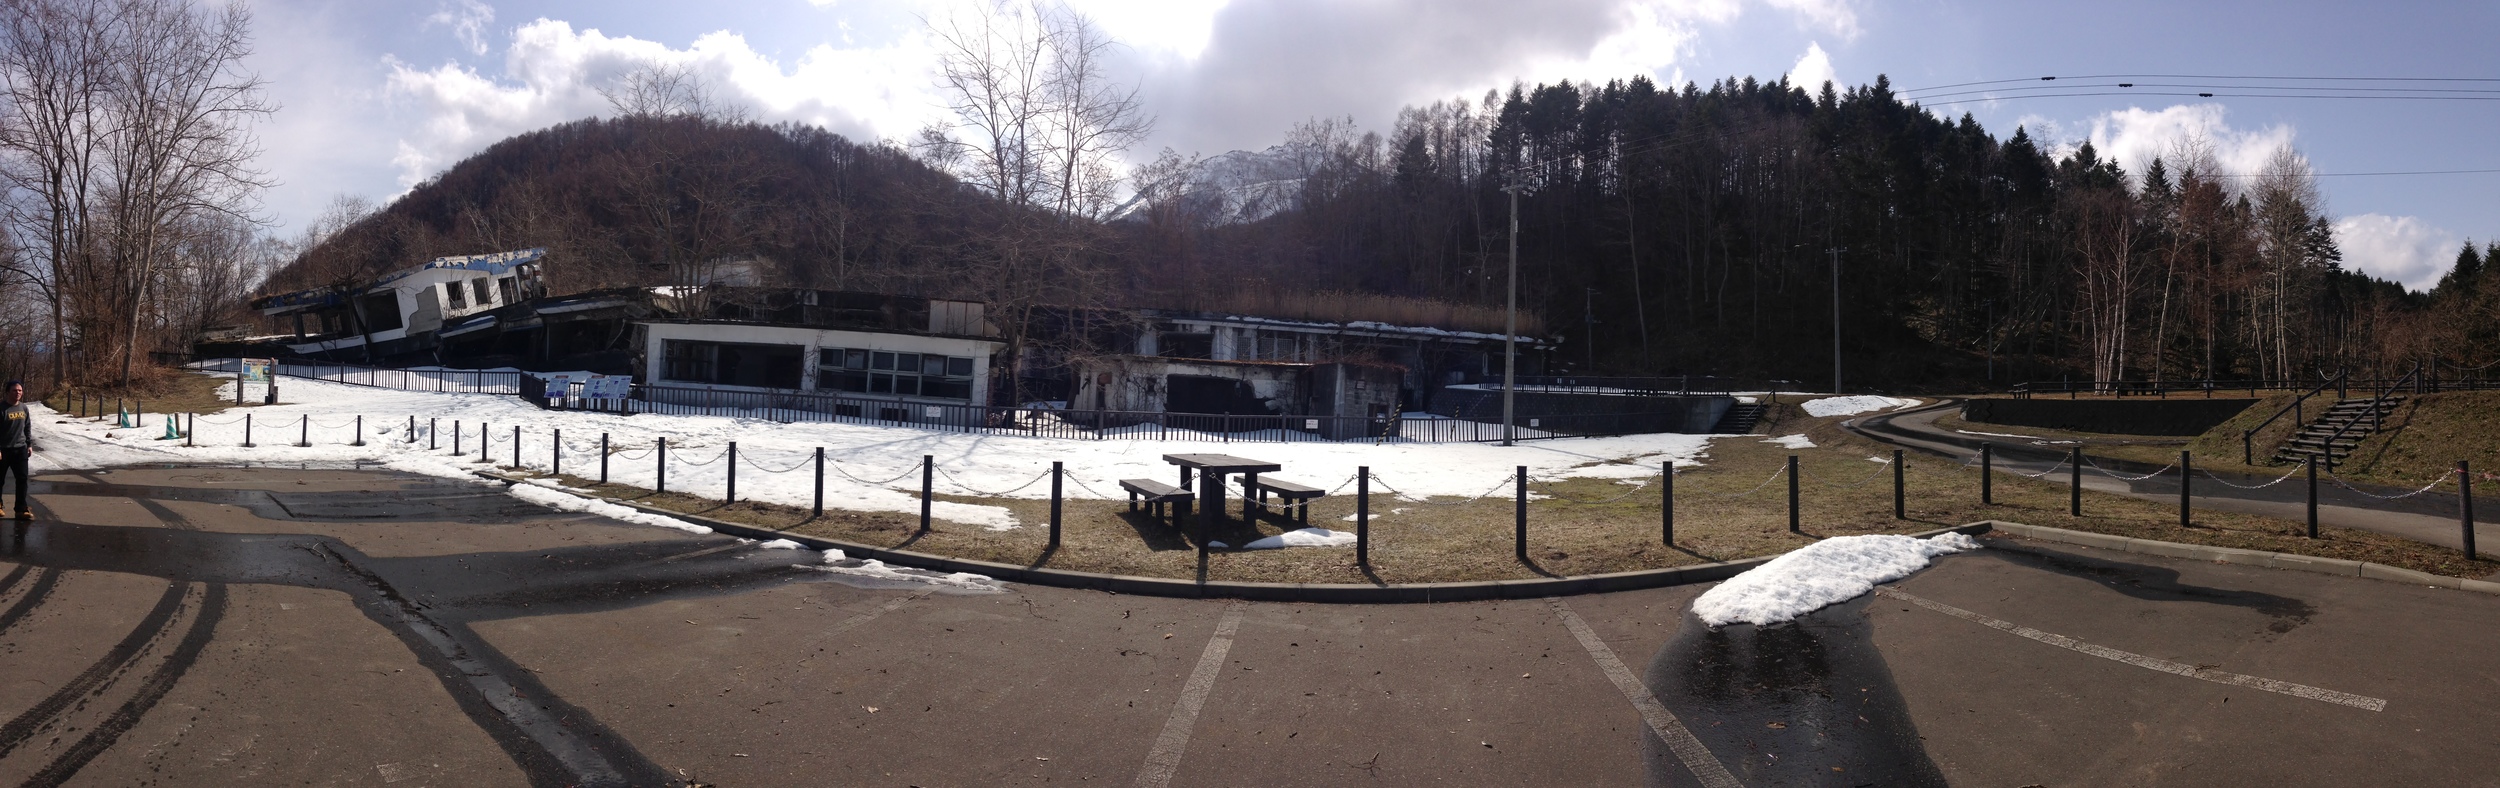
(1279, 346)
(382, 311)
(455, 295)
(483, 297)
(861, 371)
(506, 288)
(732, 364)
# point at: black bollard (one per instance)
(1900, 495)
(928, 480)
(1519, 520)
(659, 457)
(1792, 495)
(1666, 503)
(2074, 486)
(1362, 516)
(1055, 471)
(360, 431)
(555, 454)
(1987, 474)
(2465, 506)
(732, 496)
(820, 483)
(192, 428)
(516, 447)
(603, 458)
(455, 439)
(2313, 496)
(247, 430)
(2183, 488)
(412, 428)
(303, 431)
(485, 441)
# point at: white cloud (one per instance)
(467, 19)
(1813, 69)
(1836, 17)
(2399, 248)
(551, 74)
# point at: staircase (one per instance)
(1739, 419)
(2353, 418)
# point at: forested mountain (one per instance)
(1661, 231)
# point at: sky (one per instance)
(378, 96)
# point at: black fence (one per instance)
(2228, 388)
(796, 407)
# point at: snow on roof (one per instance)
(1367, 326)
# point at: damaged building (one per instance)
(902, 350)
(482, 310)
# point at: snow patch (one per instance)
(572, 503)
(1307, 537)
(1797, 441)
(780, 544)
(1853, 405)
(1825, 573)
(837, 563)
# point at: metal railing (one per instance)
(2421, 384)
(2248, 455)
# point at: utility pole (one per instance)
(1836, 320)
(1510, 334)
(1588, 325)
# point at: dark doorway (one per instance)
(1201, 394)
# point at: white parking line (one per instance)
(2141, 661)
(1697, 758)
(1166, 755)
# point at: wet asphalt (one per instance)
(186, 626)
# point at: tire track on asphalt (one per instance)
(97, 675)
(34, 597)
(159, 683)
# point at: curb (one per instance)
(2231, 555)
(1321, 593)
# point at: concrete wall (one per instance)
(1142, 384)
(1692, 414)
(2118, 417)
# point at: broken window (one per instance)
(382, 311)
(732, 364)
(483, 297)
(509, 290)
(455, 295)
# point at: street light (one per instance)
(1510, 334)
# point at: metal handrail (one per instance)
(2377, 399)
(2248, 452)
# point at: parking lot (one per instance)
(192, 625)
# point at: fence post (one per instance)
(732, 497)
(1055, 471)
(456, 438)
(138, 412)
(2184, 467)
(928, 479)
(603, 458)
(2074, 486)
(1362, 516)
(555, 454)
(2312, 462)
(303, 434)
(485, 442)
(819, 511)
(360, 431)
(659, 457)
(1666, 503)
(1519, 499)
(194, 429)
(1900, 484)
(2465, 505)
(247, 430)
(516, 446)
(412, 428)
(1792, 495)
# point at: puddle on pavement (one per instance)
(1809, 702)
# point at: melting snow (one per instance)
(1825, 573)
(1853, 405)
(1797, 441)
(1307, 537)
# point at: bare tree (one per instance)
(663, 90)
(53, 64)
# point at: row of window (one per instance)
(457, 296)
(848, 370)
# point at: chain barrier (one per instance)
(627, 456)
(339, 426)
(724, 452)
(837, 468)
(1887, 465)
(1775, 476)
(2443, 479)
(2052, 469)
(199, 418)
(1234, 485)
(2087, 460)
(1642, 487)
(1395, 494)
(751, 463)
(2287, 475)
(1080, 484)
(950, 478)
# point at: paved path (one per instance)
(2429, 517)
(203, 626)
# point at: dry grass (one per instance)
(176, 393)
(2423, 439)
(1724, 511)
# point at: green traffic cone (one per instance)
(172, 432)
(121, 419)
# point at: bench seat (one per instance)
(1299, 496)
(1156, 495)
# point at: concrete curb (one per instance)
(2229, 555)
(1325, 593)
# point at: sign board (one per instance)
(257, 370)
(560, 385)
(607, 386)
(933, 411)
(1535, 422)
(1310, 424)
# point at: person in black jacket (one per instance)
(17, 444)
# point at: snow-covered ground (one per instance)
(868, 467)
(1825, 573)
(1797, 441)
(1854, 404)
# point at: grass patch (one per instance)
(178, 393)
(1725, 510)
(2422, 439)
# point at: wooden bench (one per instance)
(1297, 495)
(1156, 495)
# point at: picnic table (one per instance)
(1214, 467)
